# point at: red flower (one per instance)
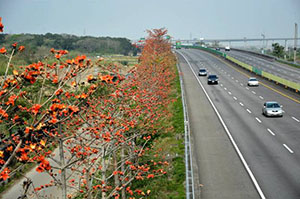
(2, 50)
(1, 25)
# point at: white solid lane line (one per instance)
(272, 133)
(258, 119)
(290, 150)
(248, 111)
(296, 119)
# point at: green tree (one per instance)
(278, 50)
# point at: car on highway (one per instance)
(227, 48)
(218, 49)
(272, 108)
(252, 81)
(202, 72)
(212, 79)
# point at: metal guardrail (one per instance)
(190, 191)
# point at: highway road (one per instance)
(270, 146)
(267, 65)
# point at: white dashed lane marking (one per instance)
(261, 97)
(248, 111)
(295, 119)
(270, 131)
(229, 93)
(241, 104)
(247, 88)
(234, 98)
(253, 92)
(288, 148)
(257, 119)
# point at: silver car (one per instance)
(272, 109)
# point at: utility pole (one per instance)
(295, 42)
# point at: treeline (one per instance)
(38, 45)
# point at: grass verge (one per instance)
(171, 185)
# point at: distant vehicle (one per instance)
(252, 81)
(218, 49)
(272, 109)
(178, 45)
(227, 48)
(202, 72)
(212, 79)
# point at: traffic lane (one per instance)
(267, 153)
(286, 128)
(262, 92)
(264, 153)
(220, 171)
(266, 62)
(292, 74)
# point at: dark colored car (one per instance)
(218, 49)
(212, 79)
(202, 72)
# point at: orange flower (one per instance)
(21, 48)
(57, 56)
(14, 45)
(3, 113)
(1, 25)
(73, 84)
(4, 174)
(35, 108)
(11, 100)
(9, 149)
(43, 142)
(15, 72)
(2, 50)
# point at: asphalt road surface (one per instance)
(270, 146)
(267, 65)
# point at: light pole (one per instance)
(295, 42)
(263, 42)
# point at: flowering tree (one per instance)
(102, 126)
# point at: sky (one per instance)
(184, 19)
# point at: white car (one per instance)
(252, 81)
(227, 48)
(202, 72)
